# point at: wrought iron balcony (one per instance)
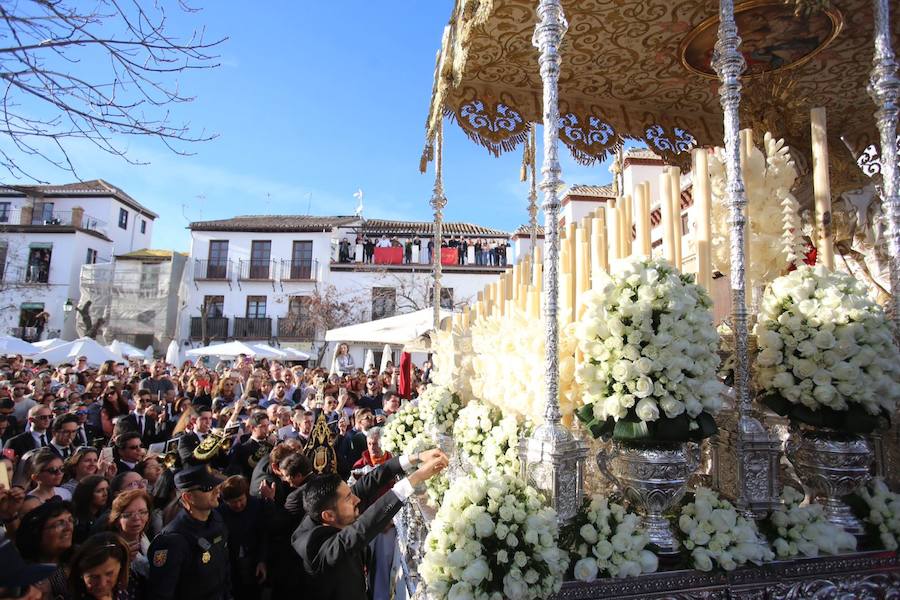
(299, 270)
(293, 328)
(257, 270)
(252, 328)
(30, 275)
(217, 270)
(72, 218)
(216, 328)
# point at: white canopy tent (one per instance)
(47, 344)
(395, 331)
(14, 345)
(126, 350)
(294, 354)
(173, 354)
(69, 352)
(233, 349)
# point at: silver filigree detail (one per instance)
(884, 87)
(438, 202)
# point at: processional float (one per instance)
(671, 75)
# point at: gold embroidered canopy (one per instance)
(641, 70)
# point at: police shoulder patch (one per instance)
(159, 557)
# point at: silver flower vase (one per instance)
(831, 465)
(652, 477)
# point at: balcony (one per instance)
(292, 328)
(252, 328)
(299, 270)
(257, 270)
(30, 275)
(40, 218)
(216, 328)
(218, 270)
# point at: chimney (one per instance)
(25, 215)
(77, 216)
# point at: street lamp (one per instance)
(68, 307)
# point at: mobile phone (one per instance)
(4, 477)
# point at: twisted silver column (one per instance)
(532, 198)
(548, 38)
(438, 202)
(552, 459)
(884, 87)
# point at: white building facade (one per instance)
(261, 278)
(47, 232)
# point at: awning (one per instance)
(397, 331)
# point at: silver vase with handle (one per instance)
(831, 464)
(652, 477)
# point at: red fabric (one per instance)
(404, 382)
(449, 256)
(389, 256)
(368, 461)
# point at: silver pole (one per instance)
(548, 38)
(884, 87)
(438, 202)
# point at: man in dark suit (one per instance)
(65, 427)
(38, 437)
(192, 437)
(246, 454)
(128, 448)
(340, 522)
(143, 419)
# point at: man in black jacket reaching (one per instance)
(340, 521)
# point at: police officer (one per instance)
(189, 559)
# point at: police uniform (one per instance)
(189, 559)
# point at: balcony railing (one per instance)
(293, 328)
(216, 328)
(219, 270)
(255, 328)
(299, 270)
(257, 270)
(32, 274)
(71, 218)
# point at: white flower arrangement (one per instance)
(826, 355)
(882, 511)
(404, 431)
(606, 540)
(439, 407)
(492, 539)
(769, 177)
(436, 487)
(796, 529)
(715, 534)
(507, 354)
(650, 355)
(488, 441)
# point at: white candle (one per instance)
(665, 209)
(612, 222)
(822, 188)
(675, 195)
(702, 208)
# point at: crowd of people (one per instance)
(487, 252)
(156, 481)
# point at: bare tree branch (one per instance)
(54, 92)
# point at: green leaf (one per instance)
(630, 430)
(586, 413)
(777, 404)
(673, 430)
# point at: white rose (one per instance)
(649, 562)
(647, 410)
(460, 591)
(643, 365)
(824, 340)
(671, 406)
(643, 386)
(588, 533)
(514, 587)
(476, 572)
(586, 570)
(702, 559)
(484, 525)
(629, 568)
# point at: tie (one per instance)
(141, 424)
(43, 440)
(83, 435)
(66, 452)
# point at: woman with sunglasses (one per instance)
(89, 501)
(99, 569)
(47, 476)
(113, 406)
(129, 518)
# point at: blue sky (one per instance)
(314, 100)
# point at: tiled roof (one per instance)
(426, 228)
(150, 254)
(286, 223)
(525, 231)
(642, 153)
(92, 187)
(599, 191)
(309, 223)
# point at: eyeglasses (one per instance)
(42, 417)
(135, 513)
(52, 470)
(140, 483)
(62, 524)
